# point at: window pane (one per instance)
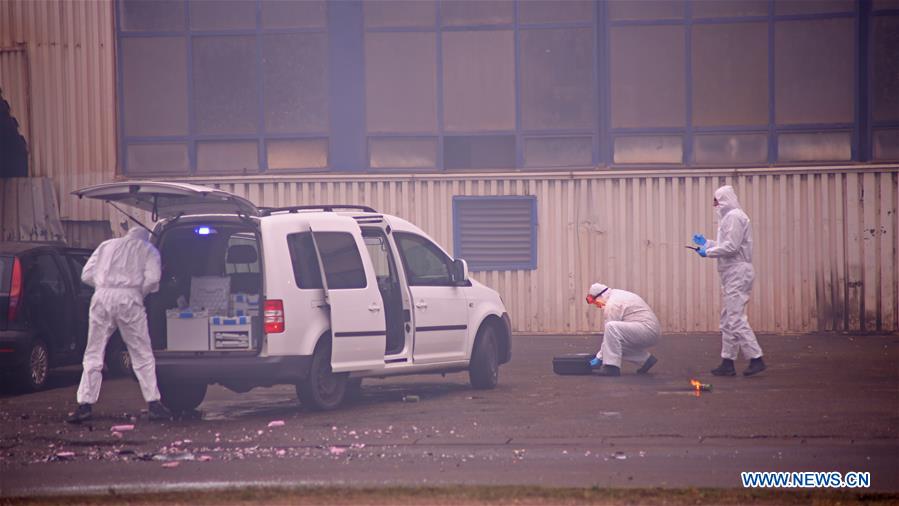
(558, 152)
(724, 149)
(787, 7)
(886, 68)
(479, 152)
(882, 5)
(886, 144)
(234, 157)
(152, 15)
(400, 13)
(306, 270)
(728, 8)
(218, 15)
(649, 149)
(555, 11)
(401, 82)
(162, 158)
(557, 78)
(647, 76)
(814, 147)
(295, 73)
(479, 81)
(425, 264)
(814, 62)
(620, 10)
(154, 85)
(730, 74)
(297, 154)
(294, 14)
(388, 153)
(225, 93)
(341, 259)
(476, 12)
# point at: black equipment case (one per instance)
(576, 363)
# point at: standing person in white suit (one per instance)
(630, 329)
(122, 271)
(733, 250)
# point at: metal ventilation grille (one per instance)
(496, 233)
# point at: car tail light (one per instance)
(274, 317)
(15, 291)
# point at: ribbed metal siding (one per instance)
(70, 50)
(14, 81)
(28, 210)
(825, 240)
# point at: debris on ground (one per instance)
(121, 428)
(171, 464)
(411, 398)
(276, 423)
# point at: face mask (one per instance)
(596, 302)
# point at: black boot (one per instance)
(156, 411)
(608, 370)
(81, 414)
(756, 366)
(651, 361)
(725, 369)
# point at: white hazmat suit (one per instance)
(630, 326)
(123, 271)
(733, 250)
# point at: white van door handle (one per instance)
(421, 304)
(374, 307)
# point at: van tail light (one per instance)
(15, 291)
(274, 316)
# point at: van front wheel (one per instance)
(324, 389)
(484, 368)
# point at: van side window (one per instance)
(341, 259)
(306, 271)
(425, 263)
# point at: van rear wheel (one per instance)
(484, 368)
(182, 397)
(324, 389)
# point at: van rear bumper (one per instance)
(244, 369)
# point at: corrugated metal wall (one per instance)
(14, 82)
(70, 51)
(28, 210)
(825, 240)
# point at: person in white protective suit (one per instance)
(630, 329)
(733, 250)
(122, 271)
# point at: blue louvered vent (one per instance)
(496, 233)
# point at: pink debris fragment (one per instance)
(171, 464)
(335, 450)
(65, 455)
(121, 428)
(204, 458)
(276, 423)
(117, 435)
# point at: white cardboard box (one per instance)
(187, 334)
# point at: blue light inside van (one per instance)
(204, 230)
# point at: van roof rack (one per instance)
(267, 211)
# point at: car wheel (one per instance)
(323, 390)
(484, 368)
(182, 396)
(33, 374)
(118, 361)
(354, 388)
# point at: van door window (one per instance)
(46, 303)
(342, 261)
(306, 271)
(425, 264)
(389, 286)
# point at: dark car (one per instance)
(44, 310)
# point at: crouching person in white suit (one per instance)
(631, 328)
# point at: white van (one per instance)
(315, 296)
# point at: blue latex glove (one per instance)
(699, 239)
(595, 363)
(701, 251)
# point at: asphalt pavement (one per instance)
(826, 403)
